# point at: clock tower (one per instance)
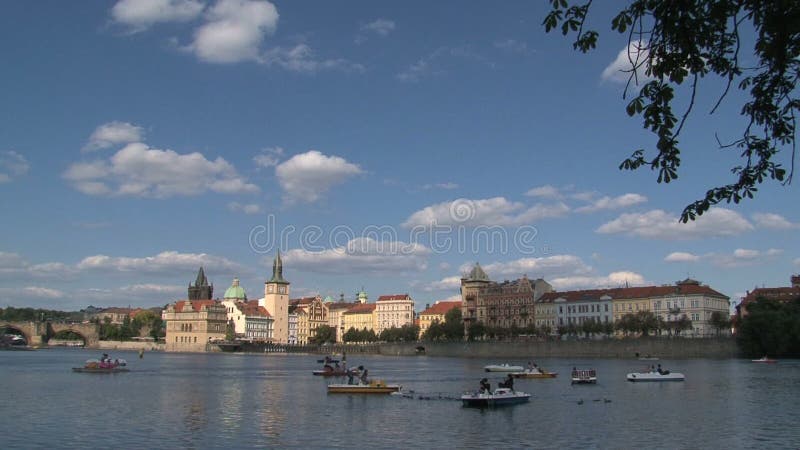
(276, 301)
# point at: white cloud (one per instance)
(612, 280)
(772, 221)
(141, 171)
(149, 288)
(796, 262)
(15, 267)
(381, 27)
(742, 257)
(608, 203)
(497, 211)
(512, 46)
(620, 70)
(111, 134)
(546, 191)
(307, 176)
(12, 294)
(445, 284)
(435, 63)
(250, 208)
(545, 267)
(448, 186)
(268, 157)
(12, 165)
(658, 224)
(234, 31)
(141, 14)
(164, 262)
(361, 255)
(301, 58)
(681, 257)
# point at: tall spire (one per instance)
(277, 270)
(201, 278)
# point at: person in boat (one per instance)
(509, 383)
(485, 386)
(659, 370)
(364, 379)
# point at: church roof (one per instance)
(277, 270)
(477, 274)
(235, 292)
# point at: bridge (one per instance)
(37, 334)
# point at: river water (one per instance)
(186, 401)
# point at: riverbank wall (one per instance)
(675, 348)
(130, 345)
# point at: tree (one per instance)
(719, 321)
(770, 328)
(646, 321)
(676, 42)
(323, 334)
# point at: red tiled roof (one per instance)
(779, 293)
(251, 308)
(442, 307)
(394, 297)
(196, 304)
(631, 293)
(302, 301)
(361, 308)
(341, 305)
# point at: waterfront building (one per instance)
(311, 313)
(504, 305)
(435, 314)
(545, 313)
(201, 290)
(276, 301)
(360, 317)
(780, 294)
(577, 307)
(292, 321)
(336, 312)
(250, 321)
(393, 311)
(688, 298)
(115, 315)
(192, 324)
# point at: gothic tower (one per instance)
(201, 289)
(276, 301)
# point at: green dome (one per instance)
(235, 292)
(328, 299)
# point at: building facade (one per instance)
(249, 320)
(192, 324)
(435, 314)
(360, 317)
(311, 313)
(336, 312)
(507, 304)
(276, 301)
(393, 311)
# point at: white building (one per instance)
(393, 311)
(250, 321)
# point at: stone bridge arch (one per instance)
(90, 332)
(29, 330)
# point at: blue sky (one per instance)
(383, 141)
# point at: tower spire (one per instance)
(277, 270)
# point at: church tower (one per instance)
(201, 289)
(276, 301)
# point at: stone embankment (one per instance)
(130, 345)
(674, 348)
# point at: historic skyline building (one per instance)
(276, 301)
(201, 289)
(507, 304)
(250, 320)
(393, 311)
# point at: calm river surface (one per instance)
(253, 401)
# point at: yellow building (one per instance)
(192, 324)
(435, 313)
(359, 317)
(336, 317)
(545, 313)
(276, 302)
(311, 313)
